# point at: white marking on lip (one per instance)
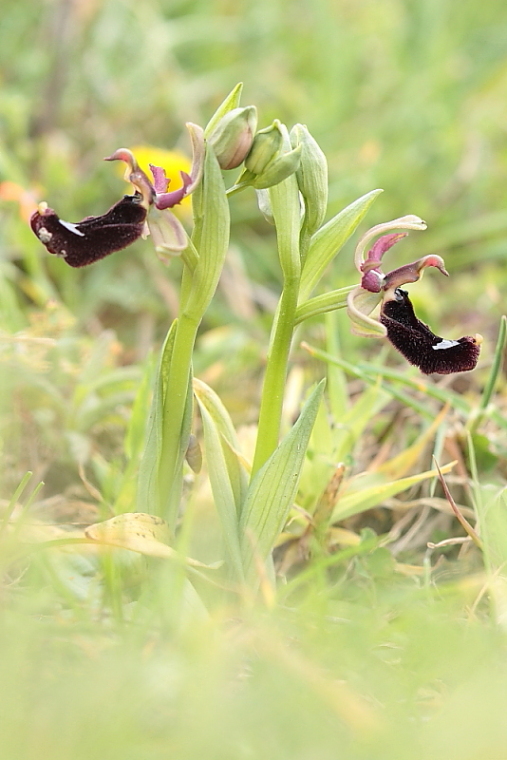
(72, 228)
(446, 344)
(44, 235)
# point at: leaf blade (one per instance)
(274, 487)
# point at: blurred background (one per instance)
(406, 95)
(372, 657)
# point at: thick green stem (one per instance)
(174, 412)
(285, 206)
(276, 373)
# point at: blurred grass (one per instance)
(376, 648)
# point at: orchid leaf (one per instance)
(207, 398)
(210, 238)
(274, 487)
(223, 491)
(328, 241)
(147, 492)
(139, 532)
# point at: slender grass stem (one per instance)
(476, 419)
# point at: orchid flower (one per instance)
(139, 215)
(397, 320)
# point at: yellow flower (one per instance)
(173, 162)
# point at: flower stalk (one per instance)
(208, 247)
(284, 199)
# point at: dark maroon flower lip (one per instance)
(420, 346)
(94, 237)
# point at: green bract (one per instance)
(266, 147)
(311, 176)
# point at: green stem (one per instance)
(173, 416)
(285, 206)
(276, 373)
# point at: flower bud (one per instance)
(233, 136)
(279, 169)
(266, 146)
(267, 164)
(311, 177)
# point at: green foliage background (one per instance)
(355, 661)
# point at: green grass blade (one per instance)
(371, 372)
(359, 372)
(493, 376)
(14, 500)
(367, 498)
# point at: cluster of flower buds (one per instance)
(267, 159)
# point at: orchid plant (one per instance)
(288, 171)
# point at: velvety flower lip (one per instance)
(420, 346)
(94, 237)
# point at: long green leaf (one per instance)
(370, 373)
(237, 475)
(326, 243)
(274, 488)
(147, 491)
(223, 492)
(496, 367)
